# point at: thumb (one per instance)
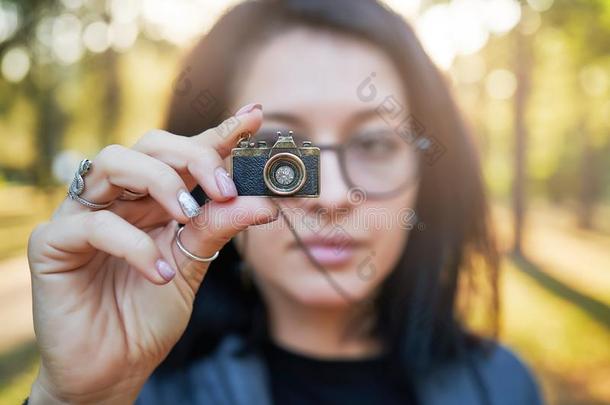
(208, 232)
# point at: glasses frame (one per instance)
(339, 150)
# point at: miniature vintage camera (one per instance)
(282, 170)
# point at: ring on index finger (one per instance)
(78, 186)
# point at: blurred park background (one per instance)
(533, 78)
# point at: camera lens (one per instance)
(284, 173)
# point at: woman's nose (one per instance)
(333, 188)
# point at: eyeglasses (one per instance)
(378, 162)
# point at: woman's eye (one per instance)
(376, 145)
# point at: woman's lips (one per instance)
(331, 255)
(330, 252)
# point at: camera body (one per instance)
(282, 170)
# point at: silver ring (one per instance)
(78, 186)
(128, 195)
(191, 255)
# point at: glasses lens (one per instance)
(380, 162)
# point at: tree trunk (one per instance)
(588, 180)
(523, 71)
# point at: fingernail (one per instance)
(165, 270)
(189, 205)
(225, 182)
(248, 108)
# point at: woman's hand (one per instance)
(112, 292)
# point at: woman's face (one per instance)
(308, 82)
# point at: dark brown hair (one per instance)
(416, 307)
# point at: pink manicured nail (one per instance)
(248, 108)
(165, 270)
(225, 182)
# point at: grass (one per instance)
(560, 339)
(556, 306)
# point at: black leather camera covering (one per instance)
(248, 176)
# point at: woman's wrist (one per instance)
(41, 394)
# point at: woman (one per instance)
(306, 301)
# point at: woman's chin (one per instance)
(333, 290)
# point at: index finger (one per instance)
(224, 137)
